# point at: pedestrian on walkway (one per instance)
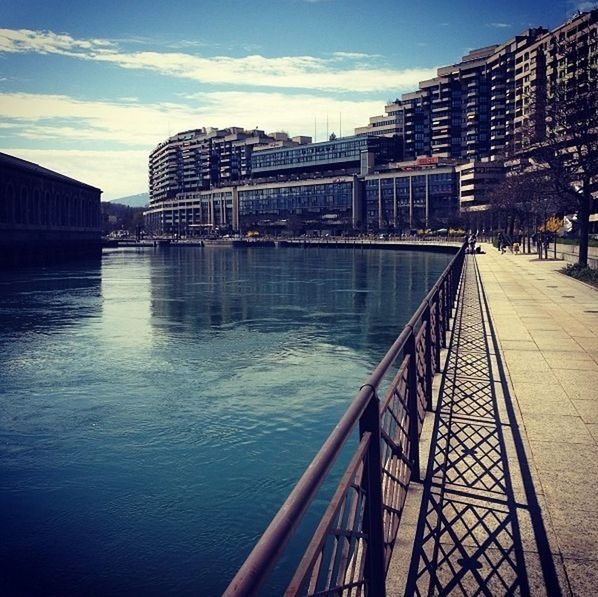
(507, 243)
(501, 242)
(471, 242)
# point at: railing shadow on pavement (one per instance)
(469, 539)
(352, 546)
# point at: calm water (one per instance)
(157, 407)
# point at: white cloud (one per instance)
(48, 42)
(500, 25)
(354, 55)
(62, 117)
(59, 119)
(337, 73)
(584, 6)
(292, 113)
(52, 117)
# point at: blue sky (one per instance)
(89, 90)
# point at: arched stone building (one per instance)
(43, 212)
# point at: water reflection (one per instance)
(156, 417)
(44, 299)
(344, 296)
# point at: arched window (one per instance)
(5, 204)
(45, 209)
(63, 210)
(11, 201)
(51, 209)
(36, 208)
(21, 207)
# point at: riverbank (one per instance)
(433, 244)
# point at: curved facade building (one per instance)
(400, 198)
(236, 181)
(200, 159)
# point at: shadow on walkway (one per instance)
(480, 529)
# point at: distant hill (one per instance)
(140, 200)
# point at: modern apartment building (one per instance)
(436, 151)
(486, 106)
(203, 158)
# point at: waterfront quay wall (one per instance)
(437, 246)
(42, 247)
(405, 245)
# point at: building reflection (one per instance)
(40, 300)
(358, 299)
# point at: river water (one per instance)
(157, 406)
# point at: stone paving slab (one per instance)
(552, 320)
(476, 527)
(514, 445)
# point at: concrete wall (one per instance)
(570, 253)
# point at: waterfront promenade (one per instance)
(509, 504)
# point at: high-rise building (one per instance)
(481, 107)
(200, 159)
(416, 107)
(435, 151)
(491, 104)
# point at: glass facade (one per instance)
(328, 203)
(408, 200)
(323, 155)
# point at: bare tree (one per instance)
(562, 132)
(524, 200)
(506, 200)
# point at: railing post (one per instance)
(375, 566)
(446, 316)
(437, 332)
(412, 406)
(429, 360)
(449, 306)
(454, 287)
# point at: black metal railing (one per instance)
(353, 543)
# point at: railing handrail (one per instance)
(254, 570)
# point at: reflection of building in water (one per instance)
(45, 213)
(46, 300)
(349, 297)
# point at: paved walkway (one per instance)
(547, 328)
(509, 505)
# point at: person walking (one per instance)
(471, 242)
(501, 242)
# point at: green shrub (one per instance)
(585, 274)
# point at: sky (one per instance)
(90, 88)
